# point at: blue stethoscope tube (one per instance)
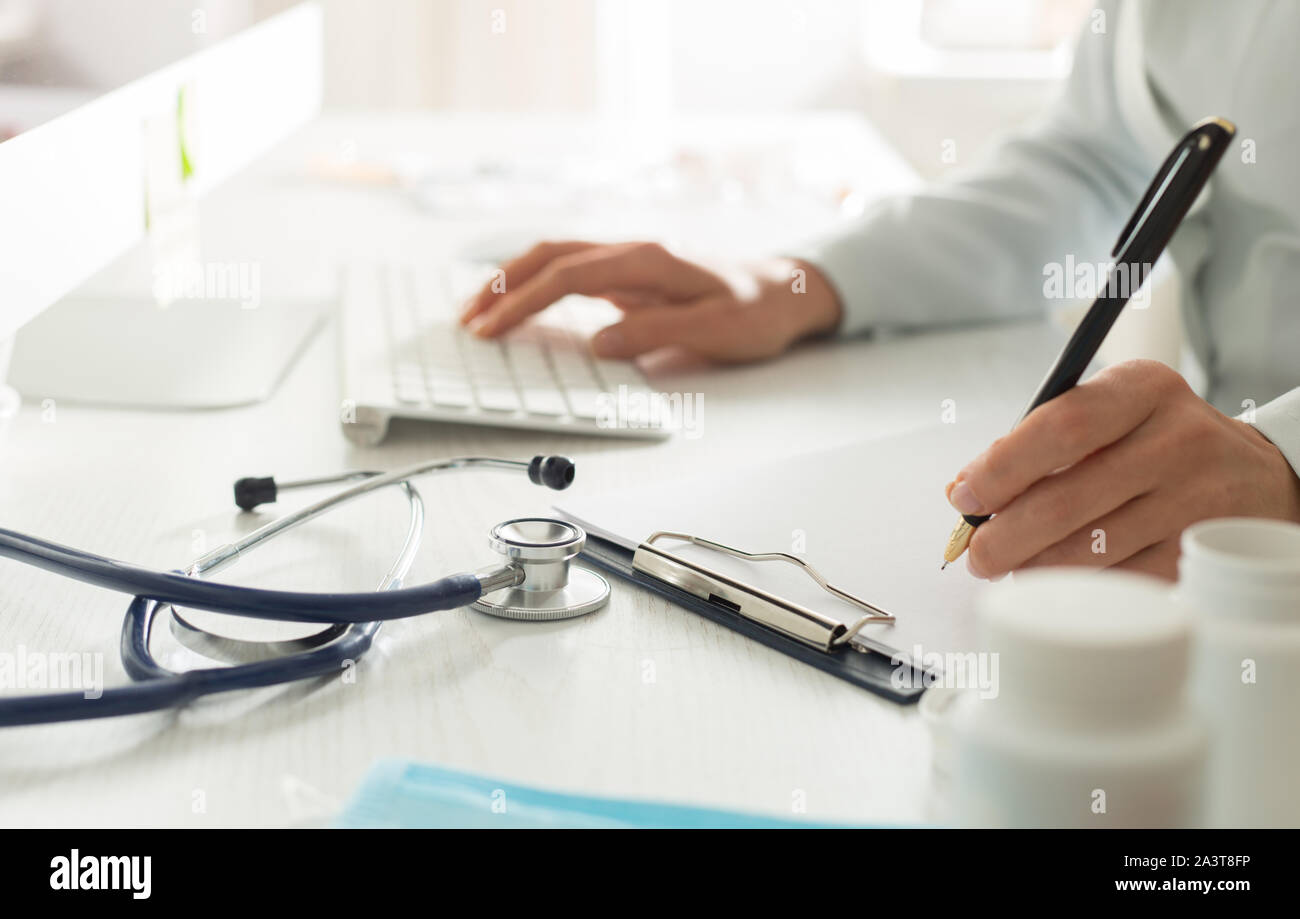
(280, 605)
(155, 687)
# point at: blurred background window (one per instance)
(941, 78)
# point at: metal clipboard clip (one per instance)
(808, 626)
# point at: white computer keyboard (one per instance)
(404, 355)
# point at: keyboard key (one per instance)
(485, 360)
(545, 402)
(408, 368)
(440, 350)
(408, 373)
(410, 390)
(583, 401)
(619, 373)
(573, 369)
(452, 393)
(445, 365)
(495, 398)
(529, 362)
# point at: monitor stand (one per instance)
(127, 352)
(110, 343)
(10, 401)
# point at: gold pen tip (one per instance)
(958, 541)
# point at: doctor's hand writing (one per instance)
(1111, 472)
(667, 301)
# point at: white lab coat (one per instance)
(976, 247)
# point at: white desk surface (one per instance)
(724, 722)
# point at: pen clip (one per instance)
(1195, 142)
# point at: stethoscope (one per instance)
(534, 581)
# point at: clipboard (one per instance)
(794, 630)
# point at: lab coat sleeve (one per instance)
(977, 247)
(1279, 421)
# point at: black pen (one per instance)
(1177, 184)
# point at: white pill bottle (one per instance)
(1240, 580)
(1091, 724)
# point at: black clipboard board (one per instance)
(870, 670)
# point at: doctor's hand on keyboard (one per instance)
(667, 301)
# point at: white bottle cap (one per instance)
(1106, 643)
(1242, 566)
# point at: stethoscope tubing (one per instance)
(186, 589)
(254, 602)
(155, 687)
(156, 693)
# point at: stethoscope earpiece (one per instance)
(552, 471)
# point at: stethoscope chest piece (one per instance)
(551, 589)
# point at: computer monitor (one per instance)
(97, 116)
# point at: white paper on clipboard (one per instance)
(871, 517)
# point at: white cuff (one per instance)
(1279, 421)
